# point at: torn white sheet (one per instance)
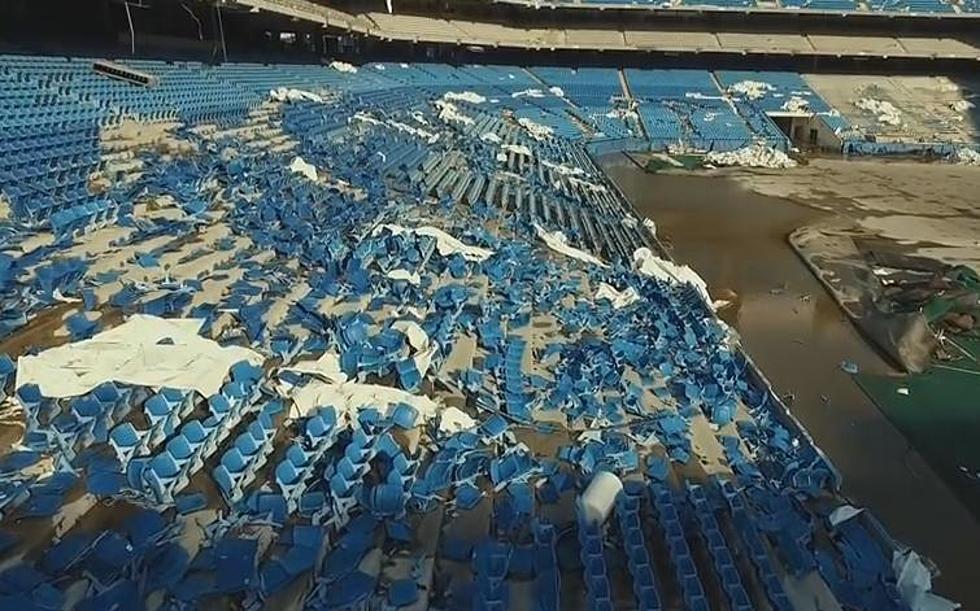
(449, 113)
(914, 582)
(327, 367)
(517, 149)
(537, 131)
(464, 96)
(528, 93)
(619, 299)
(143, 351)
(299, 166)
(454, 420)
(647, 263)
(885, 111)
(843, 514)
(557, 242)
(343, 67)
(281, 94)
(490, 137)
(757, 155)
(446, 244)
(624, 114)
(418, 339)
(404, 274)
(753, 90)
(557, 91)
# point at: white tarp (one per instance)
(914, 582)
(300, 166)
(755, 156)
(557, 242)
(143, 351)
(343, 67)
(647, 263)
(446, 244)
(753, 90)
(464, 96)
(281, 94)
(418, 339)
(885, 111)
(619, 299)
(349, 398)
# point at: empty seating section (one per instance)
(778, 92)
(684, 108)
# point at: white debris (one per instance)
(327, 368)
(667, 159)
(343, 67)
(404, 274)
(557, 242)
(623, 114)
(903, 391)
(490, 137)
(962, 106)
(422, 349)
(843, 514)
(281, 94)
(528, 93)
(914, 582)
(885, 111)
(587, 185)
(446, 244)
(753, 90)
(299, 166)
(557, 91)
(629, 222)
(517, 149)
(537, 131)
(464, 96)
(379, 67)
(757, 155)
(501, 157)
(967, 156)
(430, 137)
(619, 299)
(651, 227)
(796, 104)
(454, 420)
(143, 351)
(647, 263)
(449, 113)
(563, 168)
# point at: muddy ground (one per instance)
(732, 227)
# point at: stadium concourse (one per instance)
(384, 336)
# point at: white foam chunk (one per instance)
(464, 96)
(281, 94)
(143, 351)
(757, 155)
(753, 90)
(599, 497)
(343, 67)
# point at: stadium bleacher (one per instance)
(414, 262)
(923, 7)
